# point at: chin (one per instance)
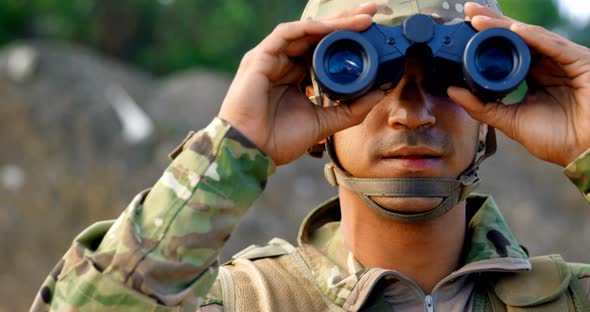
(408, 204)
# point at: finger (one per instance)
(562, 51)
(301, 46)
(497, 115)
(369, 8)
(483, 22)
(559, 49)
(335, 118)
(294, 76)
(286, 33)
(473, 9)
(548, 73)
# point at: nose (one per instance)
(410, 105)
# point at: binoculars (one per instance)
(491, 63)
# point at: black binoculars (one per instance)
(491, 63)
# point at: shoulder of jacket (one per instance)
(580, 270)
(275, 247)
(547, 280)
(549, 283)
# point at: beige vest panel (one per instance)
(271, 284)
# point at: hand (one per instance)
(553, 121)
(265, 103)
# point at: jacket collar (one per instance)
(490, 246)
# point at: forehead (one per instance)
(393, 12)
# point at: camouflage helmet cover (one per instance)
(393, 12)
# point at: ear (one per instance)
(309, 92)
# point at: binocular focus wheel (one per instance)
(362, 73)
(495, 62)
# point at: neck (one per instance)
(426, 252)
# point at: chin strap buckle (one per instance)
(330, 175)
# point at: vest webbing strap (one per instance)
(578, 295)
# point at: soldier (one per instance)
(361, 251)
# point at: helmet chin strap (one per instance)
(453, 191)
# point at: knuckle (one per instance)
(247, 58)
(282, 27)
(312, 22)
(252, 58)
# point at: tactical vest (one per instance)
(276, 278)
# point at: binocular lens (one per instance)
(344, 65)
(495, 60)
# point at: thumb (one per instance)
(336, 118)
(497, 115)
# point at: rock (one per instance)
(19, 62)
(188, 100)
(12, 177)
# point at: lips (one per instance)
(413, 152)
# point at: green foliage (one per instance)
(580, 35)
(158, 35)
(163, 36)
(14, 18)
(537, 12)
(212, 33)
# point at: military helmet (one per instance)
(393, 12)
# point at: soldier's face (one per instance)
(410, 133)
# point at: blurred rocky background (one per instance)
(94, 94)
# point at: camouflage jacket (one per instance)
(162, 253)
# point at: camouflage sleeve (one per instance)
(579, 173)
(162, 252)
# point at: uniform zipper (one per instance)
(429, 303)
(429, 299)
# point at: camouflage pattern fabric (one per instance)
(579, 173)
(337, 272)
(342, 280)
(393, 12)
(161, 253)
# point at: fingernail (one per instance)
(477, 5)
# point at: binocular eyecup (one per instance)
(491, 63)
